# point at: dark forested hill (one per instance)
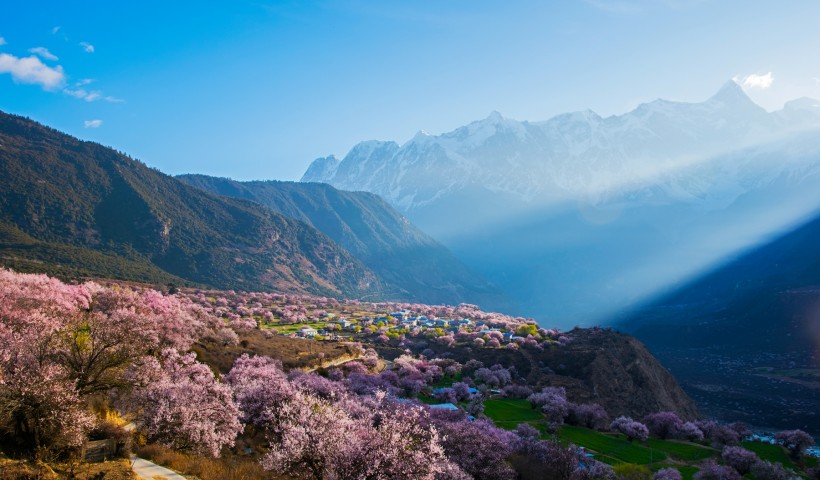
(745, 339)
(74, 207)
(371, 230)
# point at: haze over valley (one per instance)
(386, 240)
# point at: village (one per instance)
(394, 324)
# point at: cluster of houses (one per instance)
(402, 319)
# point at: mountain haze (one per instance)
(64, 201)
(586, 215)
(744, 339)
(373, 231)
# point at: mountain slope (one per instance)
(62, 191)
(372, 231)
(750, 327)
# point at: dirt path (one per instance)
(151, 471)
(333, 363)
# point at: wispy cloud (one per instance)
(55, 30)
(31, 70)
(632, 7)
(43, 52)
(92, 123)
(91, 96)
(761, 81)
(87, 47)
(82, 94)
(616, 6)
(2, 41)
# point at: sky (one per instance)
(258, 89)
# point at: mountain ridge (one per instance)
(571, 155)
(369, 228)
(68, 193)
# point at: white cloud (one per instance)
(92, 123)
(32, 70)
(87, 47)
(92, 96)
(84, 81)
(55, 30)
(2, 41)
(754, 80)
(83, 94)
(816, 80)
(43, 53)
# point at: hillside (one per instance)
(743, 339)
(373, 231)
(64, 201)
(597, 366)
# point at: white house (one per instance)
(307, 332)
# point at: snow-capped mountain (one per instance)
(576, 155)
(579, 216)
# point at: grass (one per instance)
(772, 453)
(508, 413)
(447, 381)
(613, 449)
(690, 452)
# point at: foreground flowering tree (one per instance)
(60, 343)
(180, 404)
(260, 389)
(39, 405)
(314, 438)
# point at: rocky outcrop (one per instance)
(597, 366)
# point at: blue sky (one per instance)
(256, 89)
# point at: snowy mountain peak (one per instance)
(577, 155)
(495, 117)
(321, 169)
(731, 94)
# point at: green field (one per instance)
(772, 453)
(508, 413)
(690, 452)
(610, 448)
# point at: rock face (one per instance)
(618, 372)
(77, 208)
(597, 366)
